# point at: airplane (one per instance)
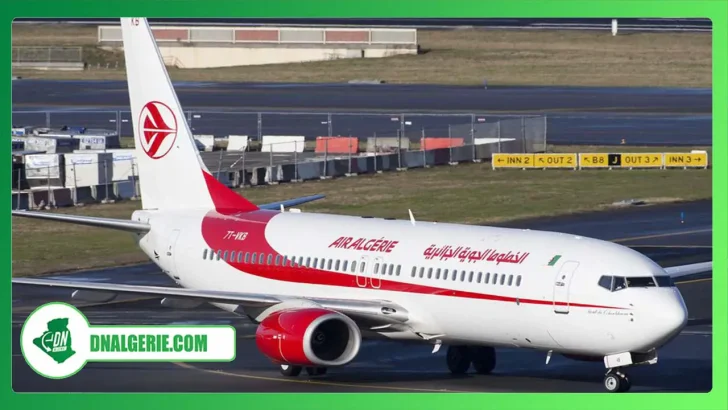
(317, 285)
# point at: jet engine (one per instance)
(308, 337)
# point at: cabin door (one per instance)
(170, 254)
(360, 272)
(562, 283)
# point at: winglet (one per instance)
(412, 217)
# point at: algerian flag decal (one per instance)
(553, 260)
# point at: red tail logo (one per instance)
(157, 129)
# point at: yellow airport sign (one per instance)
(641, 160)
(686, 160)
(595, 160)
(513, 160)
(556, 161)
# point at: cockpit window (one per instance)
(615, 283)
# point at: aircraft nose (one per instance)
(671, 316)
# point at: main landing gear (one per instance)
(459, 359)
(615, 381)
(293, 371)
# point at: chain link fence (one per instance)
(47, 54)
(257, 148)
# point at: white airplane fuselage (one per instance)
(529, 304)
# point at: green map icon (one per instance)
(56, 341)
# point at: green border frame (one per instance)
(716, 10)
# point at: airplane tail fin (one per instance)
(172, 174)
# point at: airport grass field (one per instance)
(468, 56)
(466, 193)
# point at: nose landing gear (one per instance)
(615, 381)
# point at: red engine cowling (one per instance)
(309, 337)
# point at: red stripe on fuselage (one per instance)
(217, 228)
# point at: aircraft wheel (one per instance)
(617, 382)
(483, 359)
(458, 359)
(290, 371)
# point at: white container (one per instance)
(238, 143)
(88, 169)
(283, 143)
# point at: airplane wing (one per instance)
(370, 312)
(692, 269)
(291, 202)
(134, 226)
(119, 224)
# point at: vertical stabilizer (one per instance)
(172, 174)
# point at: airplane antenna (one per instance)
(412, 217)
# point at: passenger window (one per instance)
(362, 266)
(462, 276)
(487, 278)
(315, 262)
(204, 254)
(414, 271)
(502, 279)
(225, 255)
(437, 275)
(240, 256)
(219, 253)
(331, 262)
(376, 268)
(261, 258)
(353, 266)
(247, 257)
(495, 278)
(391, 270)
(510, 280)
(518, 280)
(253, 258)
(338, 264)
(344, 265)
(278, 260)
(470, 277)
(270, 259)
(444, 275)
(480, 276)
(429, 273)
(398, 269)
(422, 272)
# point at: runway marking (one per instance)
(318, 382)
(662, 235)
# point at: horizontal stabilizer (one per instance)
(119, 224)
(291, 202)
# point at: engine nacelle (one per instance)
(308, 337)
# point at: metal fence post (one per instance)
(423, 147)
(472, 135)
(350, 147)
(329, 119)
(133, 180)
(449, 143)
(219, 163)
(545, 129)
(48, 119)
(49, 187)
(260, 127)
(75, 184)
(106, 179)
(20, 187)
(244, 173)
(499, 136)
(295, 160)
(376, 154)
(523, 134)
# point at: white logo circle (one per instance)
(55, 340)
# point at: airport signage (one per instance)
(57, 341)
(513, 160)
(556, 161)
(621, 160)
(686, 160)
